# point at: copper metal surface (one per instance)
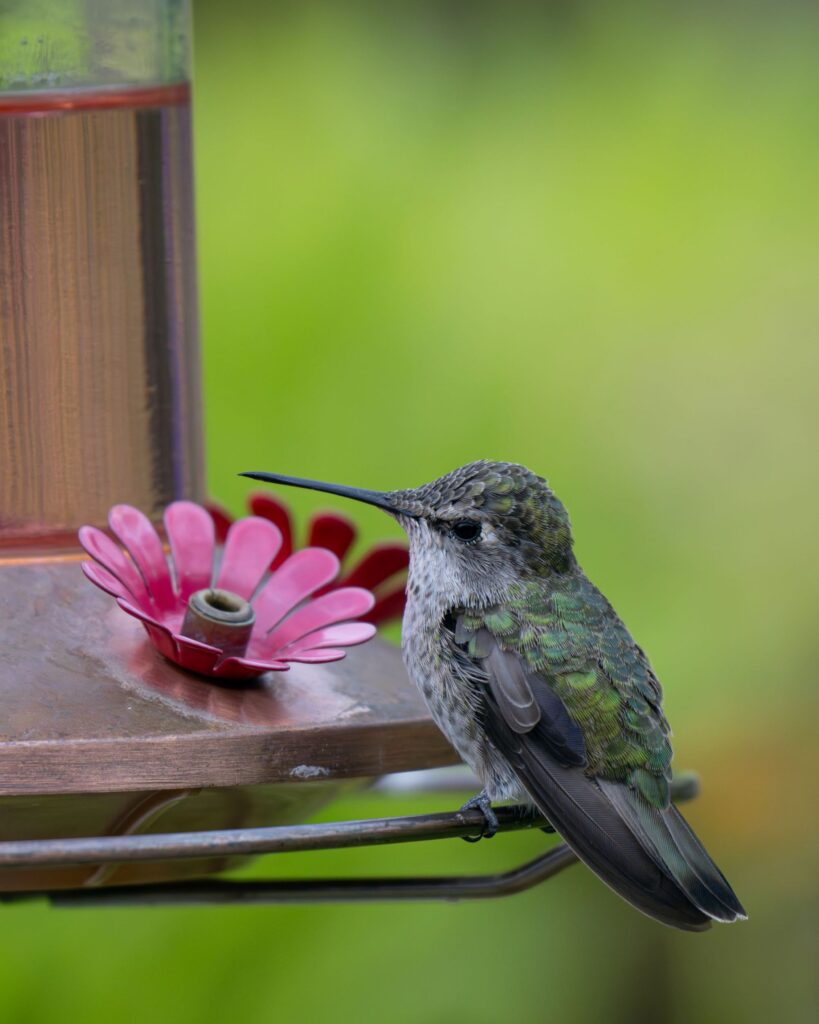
(89, 706)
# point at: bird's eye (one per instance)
(466, 530)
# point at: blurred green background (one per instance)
(582, 237)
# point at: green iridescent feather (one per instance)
(565, 630)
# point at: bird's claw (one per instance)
(482, 803)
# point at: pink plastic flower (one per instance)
(294, 620)
(381, 569)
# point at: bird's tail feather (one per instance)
(667, 838)
(649, 857)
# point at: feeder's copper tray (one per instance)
(99, 734)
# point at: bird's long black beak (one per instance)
(378, 498)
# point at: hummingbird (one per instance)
(534, 679)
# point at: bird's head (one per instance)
(474, 531)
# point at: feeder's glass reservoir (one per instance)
(98, 326)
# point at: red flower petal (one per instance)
(332, 531)
(377, 565)
(221, 520)
(264, 505)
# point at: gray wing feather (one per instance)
(528, 704)
(511, 690)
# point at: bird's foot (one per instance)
(482, 803)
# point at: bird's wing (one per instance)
(591, 674)
(564, 727)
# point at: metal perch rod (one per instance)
(331, 890)
(291, 839)
(337, 835)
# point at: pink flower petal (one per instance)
(162, 640)
(332, 531)
(302, 573)
(336, 606)
(160, 635)
(314, 657)
(111, 556)
(250, 547)
(378, 565)
(268, 507)
(104, 580)
(345, 634)
(191, 534)
(142, 582)
(138, 613)
(247, 668)
(135, 531)
(196, 656)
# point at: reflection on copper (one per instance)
(276, 699)
(144, 811)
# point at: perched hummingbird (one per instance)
(531, 675)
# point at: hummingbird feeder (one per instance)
(131, 772)
(232, 624)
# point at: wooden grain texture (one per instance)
(88, 706)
